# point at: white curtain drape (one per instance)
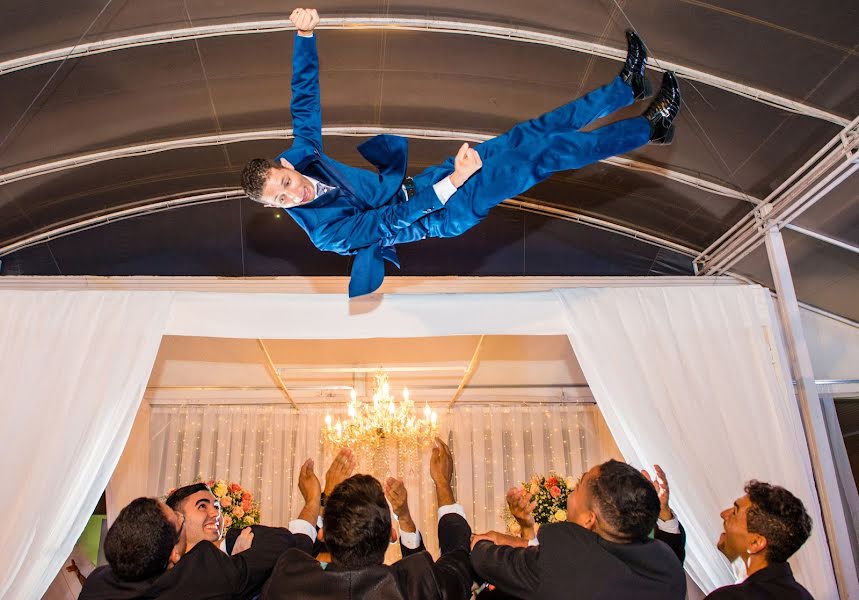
(685, 376)
(74, 366)
(691, 379)
(262, 447)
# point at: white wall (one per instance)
(833, 345)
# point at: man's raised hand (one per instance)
(466, 164)
(308, 482)
(340, 470)
(521, 506)
(660, 484)
(305, 20)
(395, 492)
(243, 542)
(441, 471)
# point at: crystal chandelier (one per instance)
(379, 430)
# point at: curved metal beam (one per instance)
(343, 131)
(415, 24)
(520, 203)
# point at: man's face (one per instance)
(286, 188)
(579, 509)
(736, 540)
(202, 517)
(176, 519)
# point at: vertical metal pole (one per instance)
(823, 466)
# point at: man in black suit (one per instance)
(602, 551)
(763, 529)
(147, 558)
(357, 532)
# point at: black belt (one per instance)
(409, 186)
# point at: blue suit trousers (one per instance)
(531, 152)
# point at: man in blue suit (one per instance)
(357, 212)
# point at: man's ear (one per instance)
(286, 163)
(758, 544)
(589, 521)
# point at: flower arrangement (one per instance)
(550, 493)
(238, 508)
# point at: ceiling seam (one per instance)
(422, 25)
(521, 203)
(346, 131)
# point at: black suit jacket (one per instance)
(675, 541)
(572, 561)
(297, 576)
(203, 573)
(775, 582)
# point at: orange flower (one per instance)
(555, 491)
(235, 487)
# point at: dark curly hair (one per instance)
(253, 177)
(139, 543)
(780, 517)
(626, 501)
(357, 522)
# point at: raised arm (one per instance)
(305, 106)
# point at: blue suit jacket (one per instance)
(368, 212)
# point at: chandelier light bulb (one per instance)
(386, 429)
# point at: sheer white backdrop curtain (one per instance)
(73, 367)
(262, 447)
(690, 378)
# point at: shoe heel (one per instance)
(647, 87)
(668, 137)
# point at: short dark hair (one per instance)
(254, 176)
(357, 522)
(625, 499)
(174, 500)
(139, 543)
(780, 517)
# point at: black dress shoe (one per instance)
(663, 109)
(633, 69)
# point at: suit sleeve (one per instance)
(372, 226)
(305, 106)
(255, 564)
(453, 568)
(513, 570)
(675, 541)
(406, 551)
(729, 592)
